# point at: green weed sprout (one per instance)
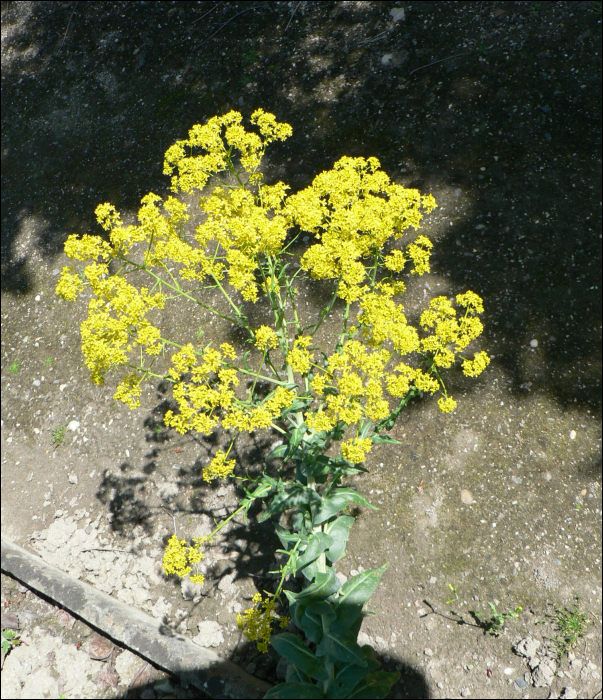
(10, 640)
(14, 368)
(496, 623)
(247, 251)
(58, 435)
(571, 627)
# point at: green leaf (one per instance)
(278, 452)
(349, 616)
(311, 625)
(336, 500)
(317, 543)
(311, 571)
(324, 586)
(385, 439)
(297, 609)
(357, 590)
(294, 675)
(324, 609)
(375, 685)
(297, 653)
(339, 530)
(295, 691)
(289, 538)
(293, 496)
(342, 647)
(350, 675)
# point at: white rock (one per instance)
(527, 647)
(73, 425)
(568, 694)
(73, 479)
(397, 14)
(127, 665)
(534, 343)
(572, 434)
(544, 674)
(210, 634)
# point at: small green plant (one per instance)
(571, 627)
(58, 435)
(10, 640)
(14, 368)
(456, 597)
(48, 361)
(250, 57)
(496, 623)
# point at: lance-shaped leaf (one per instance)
(358, 589)
(376, 685)
(342, 647)
(297, 653)
(337, 500)
(385, 439)
(293, 496)
(278, 452)
(289, 538)
(294, 675)
(339, 530)
(295, 691)
(317, 543)
(350, 675)
(324, 586)
(311, 626)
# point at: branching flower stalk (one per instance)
(244, 250)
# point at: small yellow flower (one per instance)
(447, 404)
(355, 450)
(178, 556)
(256, 623)
(473, 368)
(299, 358)
(265, 338)
(218, 468)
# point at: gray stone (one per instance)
(527, 647)
(544, 674)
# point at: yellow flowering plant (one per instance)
(245, 250)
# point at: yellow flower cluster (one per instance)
(450, 332)
(356, 373)
(256, 623)
(346, 210)
(300, 357)
(262, 416)
(178, 557)
(199, 399)
(355, 450)
(218, 468)
(116, 323)
(195, 171)
(265, 338)
(382, 319)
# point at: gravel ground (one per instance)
(495, 109)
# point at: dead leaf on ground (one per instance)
(106, 677)
(100, 648)
(10, 621)
(142, 677)
(65, 619)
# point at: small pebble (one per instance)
(534, 343)
(572, 434)
(466, 496)
(428, 652)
